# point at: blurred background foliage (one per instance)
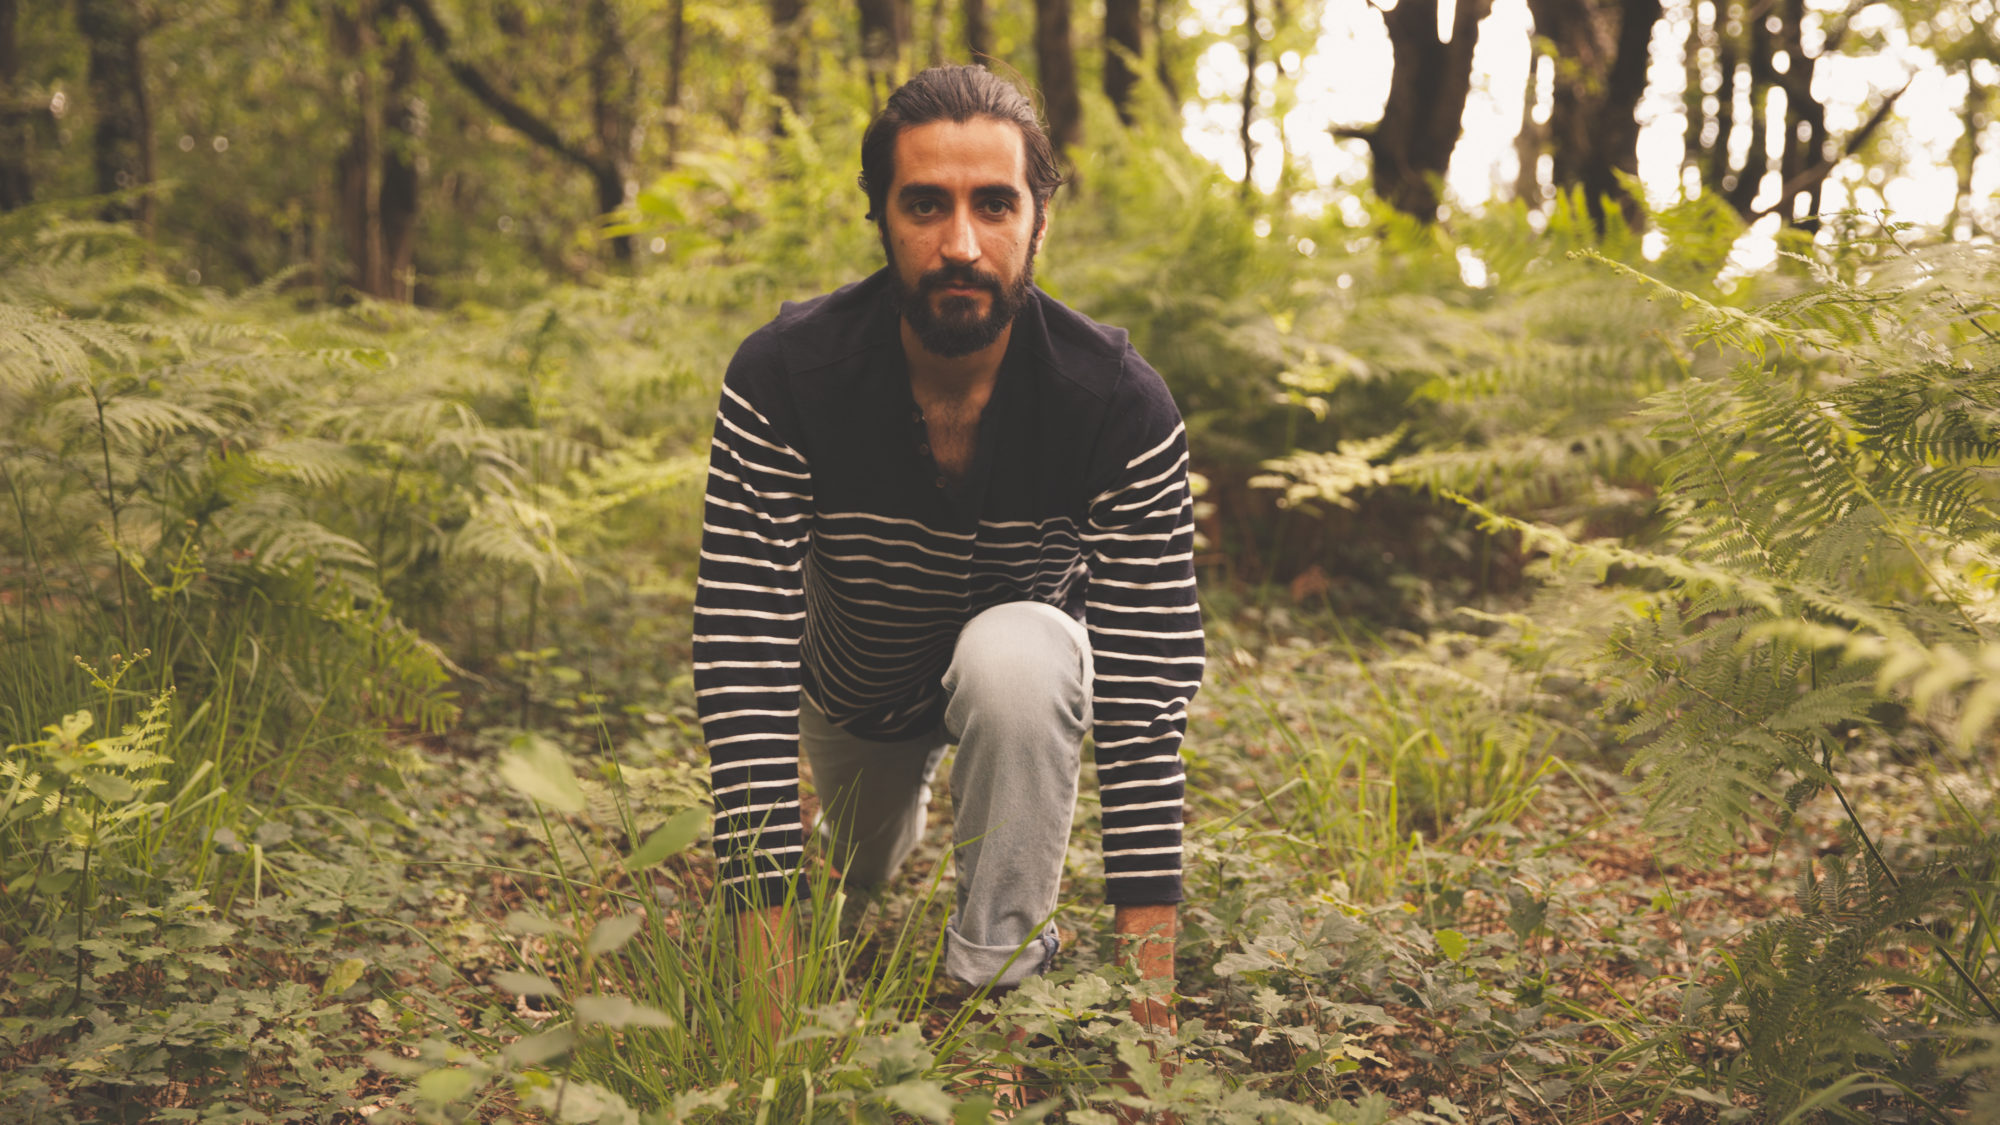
(357, 361)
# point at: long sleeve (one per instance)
(748, 618)
(1146, 643)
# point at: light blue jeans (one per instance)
(1017, 704)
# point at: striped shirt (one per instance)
(838, 562)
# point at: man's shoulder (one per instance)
(820, 330)
(1097, 358)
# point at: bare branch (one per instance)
(517, 116)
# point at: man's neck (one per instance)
(936, 378)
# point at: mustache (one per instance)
(961, 275)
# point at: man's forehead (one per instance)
(982, 149)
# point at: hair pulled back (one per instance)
(955, 93)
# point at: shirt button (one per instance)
(940, 482)
(924, 448)
(917, 415)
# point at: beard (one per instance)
(951, 326)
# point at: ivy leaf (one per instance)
(668, 840)
(522, 922)
(618, 1011)
(612, 933)
(448, 1085)
(526, 984)
(343, 977)
(1452, 943)
(537, 769)
(535, 1050)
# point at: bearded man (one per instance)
(943, 508)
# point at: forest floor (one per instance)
(1512, 948)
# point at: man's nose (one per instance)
(961, 240)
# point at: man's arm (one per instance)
(1147, 649)
(748, 620)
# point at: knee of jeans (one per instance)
(1020, 659)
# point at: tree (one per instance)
(885, 28)
(376, 174)
(1600, 48)
(1429, 80)
(1746, 39)
(978, 33)
(122, 140)
(1122, 40)
(785, 72)
(1055, 63)
(605, 157)
(17, 184)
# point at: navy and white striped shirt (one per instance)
(836, 561)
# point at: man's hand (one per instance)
(1147, 932)
(766, 948)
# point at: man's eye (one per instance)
(924, 207)
(998, 207)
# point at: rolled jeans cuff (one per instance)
(1000, 966)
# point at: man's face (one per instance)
(960, 232)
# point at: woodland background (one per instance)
(1604, 636)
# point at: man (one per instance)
(944, 508)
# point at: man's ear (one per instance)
(1042, 231)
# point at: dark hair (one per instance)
(955, 93)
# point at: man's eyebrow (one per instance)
(984, 191)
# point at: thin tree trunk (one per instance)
(353, 35)
(1763, 75)
(1055, 62)
(1162, 56)
(17, 184)
(1593, 119)
(978, 34)
(785, 83)
(1729, 64)
(1252, 42)
(676, 68)
(614, 91)
(1429, 80)
(1693, 100)
(1123, 36)
(881, 45)
(934, 33)
(122, 141)
(402, 134)
(1532, 138)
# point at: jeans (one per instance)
(1017, 704)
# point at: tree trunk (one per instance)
(1532, 139)
(785, 31)
(396, 201)
(934, 33)
(358, 206)
(1603, 47)
(978, 33)
(676, 68)
(1055, 64)
(614, 93)
(1123, 37)
(1429, 80)
(1252, 42)
(17, 185)
(1163, 63)
(1742, 191)
(881, 45)
(122, 141)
